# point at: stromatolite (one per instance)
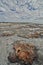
(23, 52)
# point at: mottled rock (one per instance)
(30, 35)
(34, 35)
(7, 33)
(23, 52)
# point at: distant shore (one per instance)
(22, 23)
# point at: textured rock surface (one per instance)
(31, 35)
(7, 33)
(24, 52)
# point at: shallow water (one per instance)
(6, 46)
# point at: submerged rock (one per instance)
(34, 35)
(26, 53)
(7, 33)
(30, 35)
